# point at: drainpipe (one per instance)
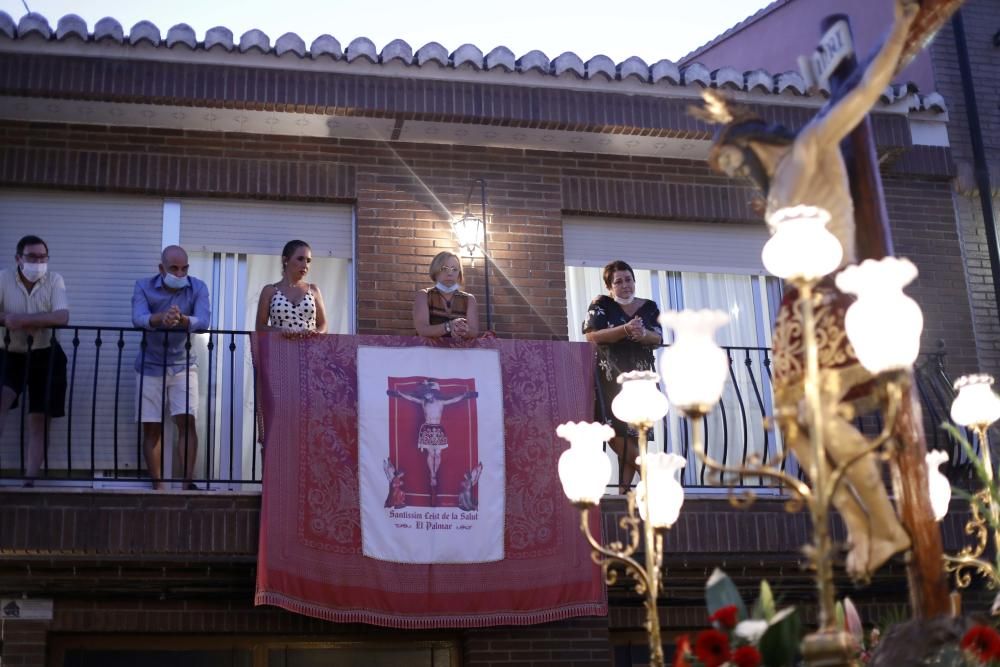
(978, 152)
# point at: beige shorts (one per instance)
(182, 394)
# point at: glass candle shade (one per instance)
(801, 247)
(666, 495)
(883, 325)
(640, 401)
(694, 367)
(584, 468)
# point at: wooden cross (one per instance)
(929, 593)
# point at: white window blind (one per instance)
(100, 244)
(674, 246)
(261, 228)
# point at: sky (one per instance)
(650, 29)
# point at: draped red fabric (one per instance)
(310, 557)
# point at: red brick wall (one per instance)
(981, 19)
(923, 224)
(581, 642)
(406, 194)
(24, 643)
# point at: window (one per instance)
(666, 258)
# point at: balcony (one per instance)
(92, 524)
(99, 443)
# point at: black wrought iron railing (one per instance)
(738, 428)
(100, 441)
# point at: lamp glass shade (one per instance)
(694, 367)
(883, 325)
(640, 401)
(938, 484)
(976, 403)
(801, 247)
(584, 468)
(666, 495)
(470, 232)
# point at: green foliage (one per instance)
(988, 481)
(951, 656)
(775, 634)
(764, 607)
(894, 616)
(779, 645)
(720, 591)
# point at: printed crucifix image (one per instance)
(438, 422)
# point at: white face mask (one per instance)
(623, 302)
(446, 289)
(173, 282)
(34, 272)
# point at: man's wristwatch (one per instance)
(447, 327)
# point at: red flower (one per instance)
(983, 642)
(711, 647)
(724, 616)
(681, 654)
(746, 656)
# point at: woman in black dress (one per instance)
(626, 330)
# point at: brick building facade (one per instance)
(402, 137)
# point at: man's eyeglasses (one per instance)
(36, 259)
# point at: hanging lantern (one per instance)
(469, 231)
(938, 484)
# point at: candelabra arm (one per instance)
(961, 564)
(646, 579)
(798, 487)
(614, 552)
(979, 527)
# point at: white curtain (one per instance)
(735, 428)
(583, 284)
(235, 282)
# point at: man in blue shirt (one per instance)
(172, 305)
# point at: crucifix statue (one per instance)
(808, 168)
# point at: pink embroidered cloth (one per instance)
(310, 557)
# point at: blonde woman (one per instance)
(444, 310)
(292, 305)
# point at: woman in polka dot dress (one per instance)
(291, 305)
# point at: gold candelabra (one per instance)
(883, 326)
(652, 507)
(977, 407)
(830, 645)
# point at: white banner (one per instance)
(431, 454)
